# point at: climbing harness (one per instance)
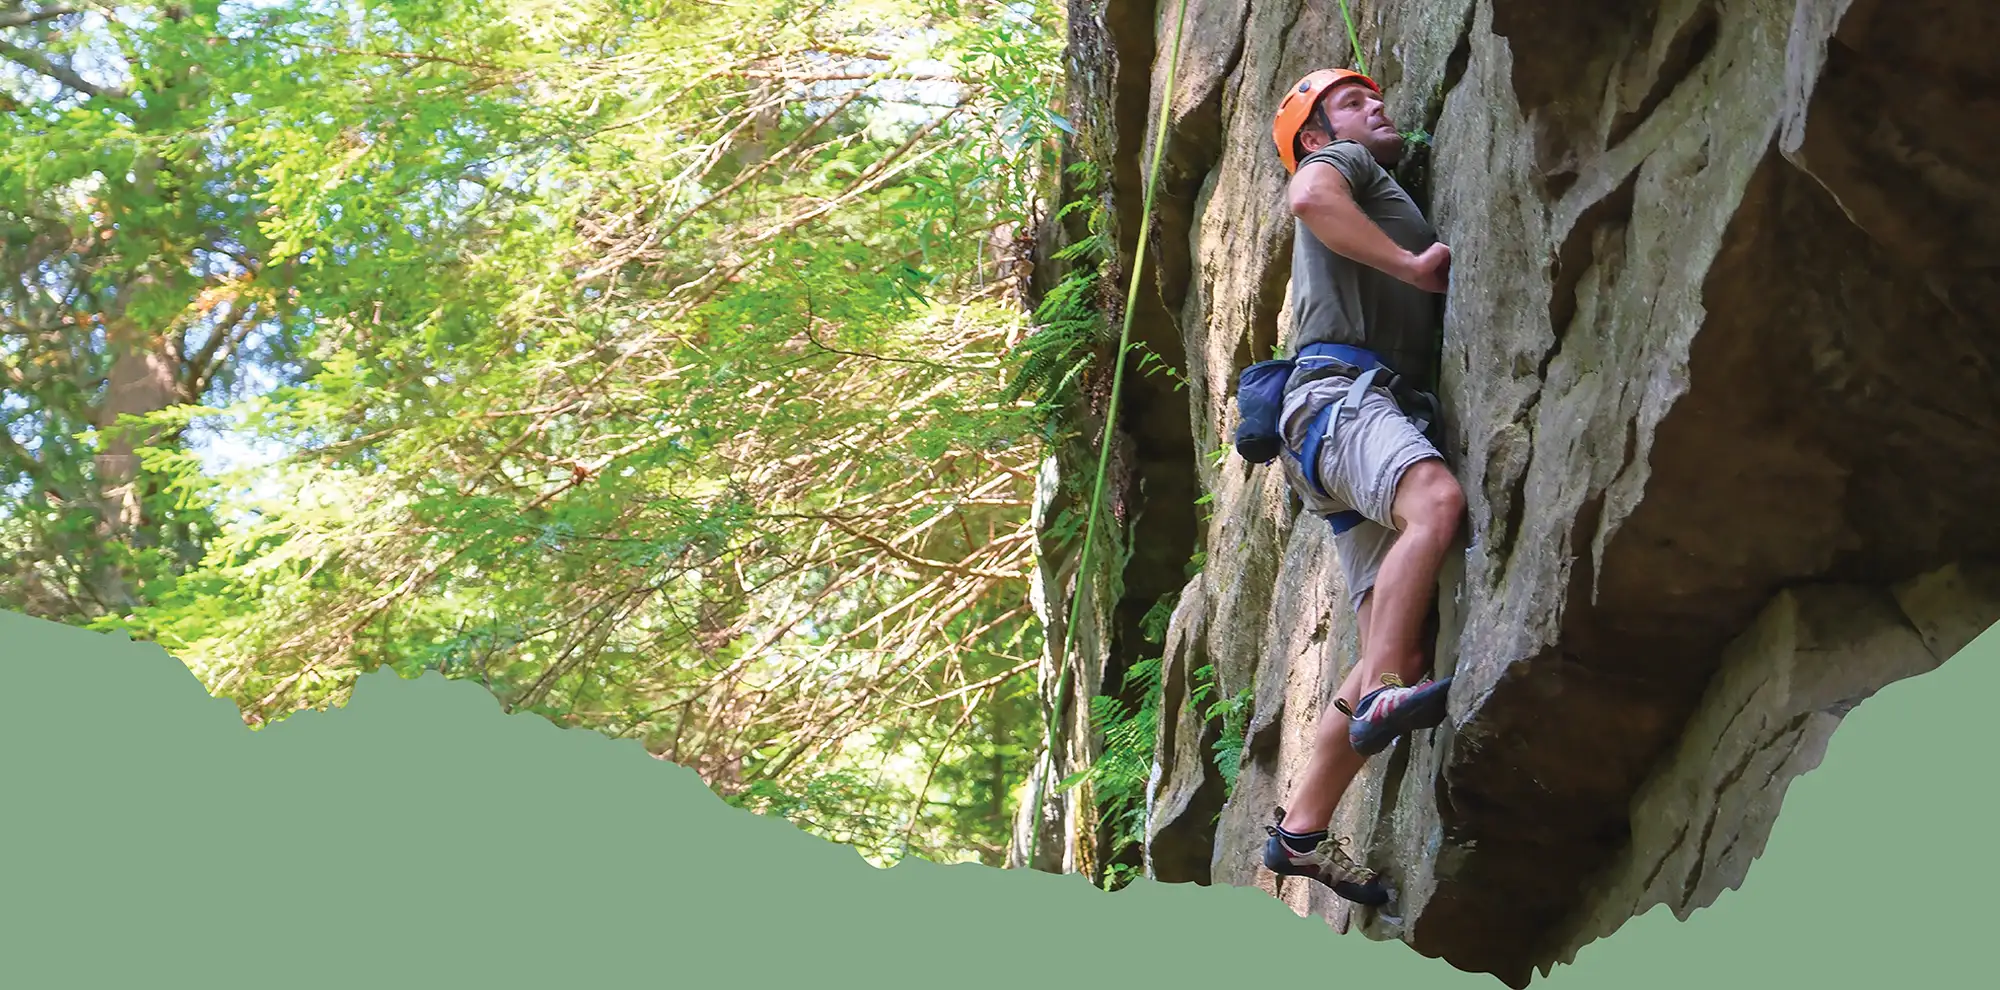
(1269, 385)
(1262, 387)
(1260, 399)
(1049, 716)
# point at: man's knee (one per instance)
(1429, 498)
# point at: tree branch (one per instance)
(36, 62)
(408, 57)
(925, 562)
(22, 18)
(221, 344)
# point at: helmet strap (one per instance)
(1319, 117)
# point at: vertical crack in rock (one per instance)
(1601, 223)
(1686, 48)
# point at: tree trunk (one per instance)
(143, 380)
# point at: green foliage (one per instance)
(1151, 363)
(1117, 875)
(1235, 714)
(647, 362)
(1128, 732)
(1070, 322)
(1154, 623)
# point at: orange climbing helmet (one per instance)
(1300, 103)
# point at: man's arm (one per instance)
(1322, 199)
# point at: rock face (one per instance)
(1721, 362)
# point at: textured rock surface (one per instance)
(1783, 687)
(1722, 366)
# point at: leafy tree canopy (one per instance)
(644, 360)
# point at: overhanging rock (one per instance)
(1723, 385)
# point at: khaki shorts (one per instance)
(1360, 468)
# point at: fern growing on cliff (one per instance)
(1068, 322)
(1118, 776)
(1235, 714)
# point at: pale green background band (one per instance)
(419, 837)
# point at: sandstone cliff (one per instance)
(1722, 367)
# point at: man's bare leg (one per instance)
(1333, 766)
(1427, 511)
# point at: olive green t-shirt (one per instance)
(1341, 301)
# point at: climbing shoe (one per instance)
(1394, 710)
(1322, 857)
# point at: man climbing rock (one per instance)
(1367, 271)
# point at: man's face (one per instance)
(1357, 114)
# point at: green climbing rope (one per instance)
(1353, 39)
(1050, 717)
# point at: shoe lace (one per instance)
(1388, 681)
(1331, 857)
